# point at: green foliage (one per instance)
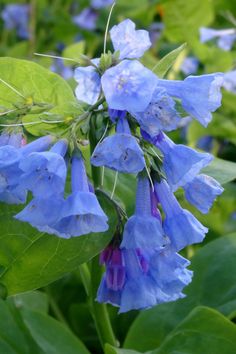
(30, 259)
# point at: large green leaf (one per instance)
(29, 259)
(213, 285)
(203, 331)
(112, 350)
(36, 84)
(50, 335)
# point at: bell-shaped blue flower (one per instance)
(131, 43)
(189, 65)
(99, 4)
(230, 81)
(81, 213)
(44, 173)
(202, 191)
(179, 225)
(143, 230)
(181, 163)
(128, 86)
(120, 151)
(225, 38)
(89, 87)
(159, 115)
(200, 95)
(42, 213)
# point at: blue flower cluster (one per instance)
(43, 172)
(16, 16)
(143, 267)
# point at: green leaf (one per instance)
(222, 170)
(33, 300)
(50, 335)
(203, 331)
(112, 350)
(30, 260)
(182, 19)
(37, 85)
(213, 285)
(74, 51)
(162, 67)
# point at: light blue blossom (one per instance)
(99, 4)
(230, 81)
(225, 37)
(44, 173)
(189, 65)
(159, 115)
(120, 151)
(128, 86)
(143, 230)
(81, 213)
(200, 95)
(86, 19)
(58, 67)
(181, 163)
(179, 225)
(89, 87)
(131, 43)
(16, 16)
(202, 191)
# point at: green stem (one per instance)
(55, 308)
(32, 27)
(85, 277)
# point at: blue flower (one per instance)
(159, 115)
(81, 212)
(58, 67)
(10, 157)
(16, 16)
(225, 37)
(128, 86)
(120, 151)
(89, 87)
(137, 279)
(189, 65)
(86, 19)
(143, 230)
(42, 213)
(202, 191)
(181, 163)
(230, 81)
(199, 102)
(131, 43)
(179, 225)
(44, 173)
(99, 4)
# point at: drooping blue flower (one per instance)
(225, 38)
(120, 151)
(130, 42)
(42, 213)
(143, 230)
(58, 67)
(86, 19)
(189, 65)
(202, 191)
(155, 31)
(4, 139)
(181, 163)
(10, 156)
(137, 279)
(16, 16)
(89, 87)
(128, 86)
(200, 95)
(99, 4)
(160, 114)
(205, 143)
(230, 81)
(115, 114)
(179, 225)
(44, 173)
(81, 213)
